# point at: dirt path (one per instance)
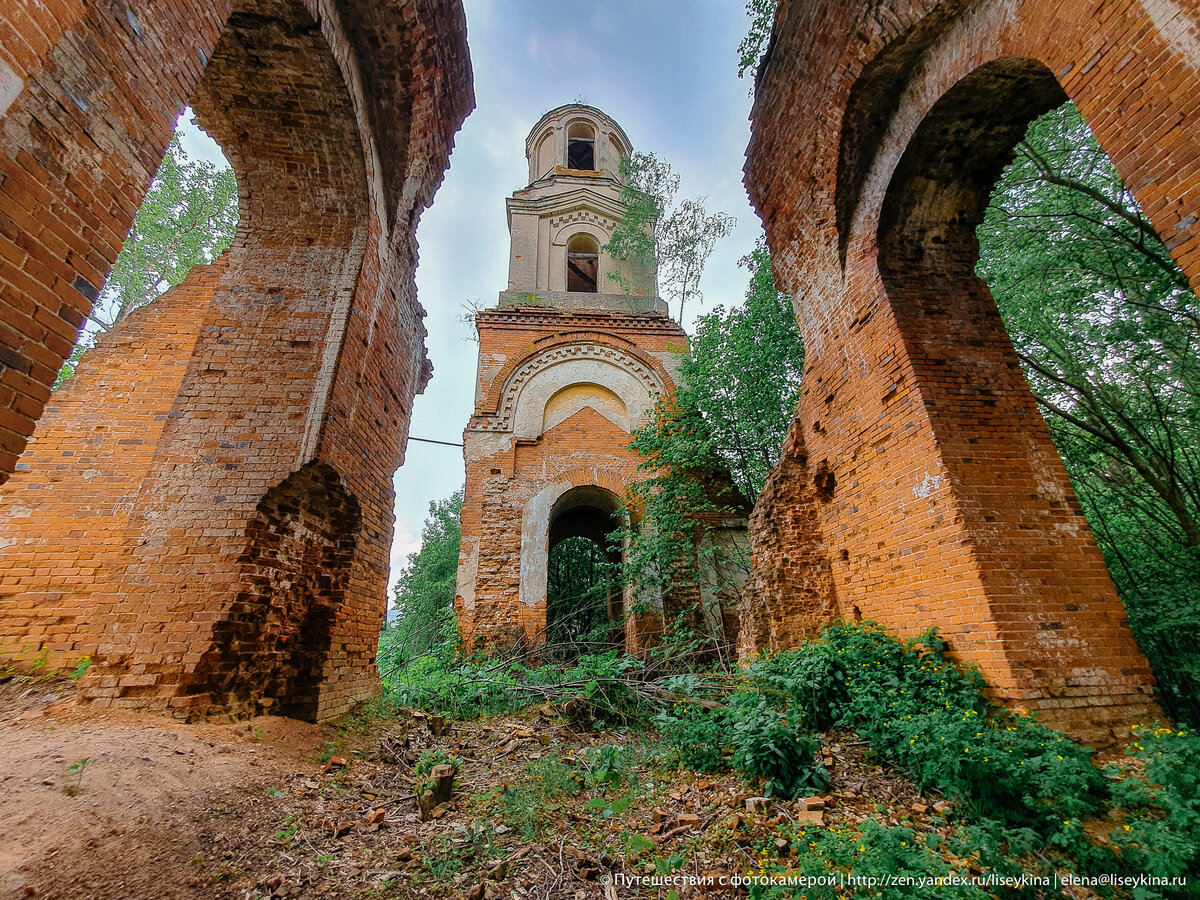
(129, 822)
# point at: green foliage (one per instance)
(424, 623)
(81, 667)
(893, 862)
(609, 807)
(1162, 806)
(742, 374)
(748, 734)
(466, 688)
(1107, 331)
(430, 759)
(75, 771)
(781, 756)
(674, 236)
(606, 765)
(601, 688)
(678, 545)
(578, 583)
(707, 452)
(930, 717)
(188, 218)
(524, 810)
(753, 46)
(701, 735)
(555, 777)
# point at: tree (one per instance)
(674, 236)
(1104, 322)
(578, 584)
(1108, 331)
(742, 375)
(710, 445)
(424, 619)
(754, 45)
(188, 217)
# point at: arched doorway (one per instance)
(583, 600)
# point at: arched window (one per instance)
(583, 263)
(544, 155)
(581, 146)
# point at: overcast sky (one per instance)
(666, 71)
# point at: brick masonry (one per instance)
(558, 393)
(206, 508)
(932, 484)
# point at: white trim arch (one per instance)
(525, 393)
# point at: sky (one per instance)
(666, 71)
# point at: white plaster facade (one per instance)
(561, 203)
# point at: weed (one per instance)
(557, 779)
(606, 765)
(429, 759)
(611, 807)
(523, 810)
(81, 668)
(76, 770)
(1162, 803)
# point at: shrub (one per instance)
(930, 717)
(1162, 805)
(784, 758)
(702, 736)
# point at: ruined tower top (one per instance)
(576, 138)
(560, 222)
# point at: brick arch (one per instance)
(946, 503)
(303, 342)
(270, 650)
(508, 383)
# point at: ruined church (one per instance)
(204, 512)
(571, 359)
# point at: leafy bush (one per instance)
(930, 717)
(783, 757)
(1162, 804)
(702, 736)
(749, 735)
(890, 862)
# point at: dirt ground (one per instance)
(142, 807)
(117, 805)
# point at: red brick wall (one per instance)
(586, 449)
(948, 504)
(790, 594)
(293, 378)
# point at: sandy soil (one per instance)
(129, 822)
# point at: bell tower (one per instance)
(561, 221)
(571, 360)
